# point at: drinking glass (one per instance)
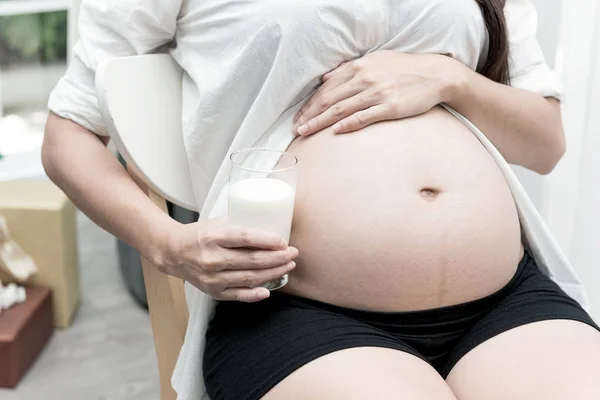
(262, 190)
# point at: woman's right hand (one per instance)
(227, 262)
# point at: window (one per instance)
(33, 56)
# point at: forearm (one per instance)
(524, 126)
(80, 164)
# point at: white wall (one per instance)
(585, 242)
(571, 202)
(569, 198)
(549, 18)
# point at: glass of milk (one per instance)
(262, 190)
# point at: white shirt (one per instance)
(249, 64)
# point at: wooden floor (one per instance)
(108, 353)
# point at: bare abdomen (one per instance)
(403, 215)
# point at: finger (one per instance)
(359, 120)
(239, 237)
(336, 113)
(330, 74)
(329, 99)
(332, 83)
(257, 259)
(253, 278)
(244, 295)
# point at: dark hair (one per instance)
(496, 65)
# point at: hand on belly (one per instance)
(403, 215)
(381, 86)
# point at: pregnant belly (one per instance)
(403, 215)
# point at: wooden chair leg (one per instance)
(176, 284)
(168, 338)
(168, 311)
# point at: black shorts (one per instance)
(252, 347)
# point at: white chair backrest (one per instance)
(140, 100)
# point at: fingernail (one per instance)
(291, 266)
(264, 294)
(294, 252)
(337, 128)
(302, 130)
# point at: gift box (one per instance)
(24, 331)
(41, 219)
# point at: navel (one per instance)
(430, 194)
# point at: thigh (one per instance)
(363, 373)
(550, 360)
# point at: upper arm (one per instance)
(528, 67)
(109, 28)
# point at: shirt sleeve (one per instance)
(109, 28)
(528, 67)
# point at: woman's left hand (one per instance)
(383, 85)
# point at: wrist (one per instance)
(162, 245)
(456, 83)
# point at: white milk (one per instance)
(262, 203)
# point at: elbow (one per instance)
(554, 146)
(49, 152)
(554, 151)
(53, 148)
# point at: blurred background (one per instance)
(105, 339)
(100, 342)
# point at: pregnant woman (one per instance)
(412, 275)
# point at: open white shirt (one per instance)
(249, 65)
